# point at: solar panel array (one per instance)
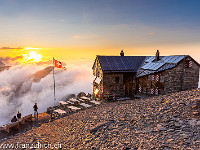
(151, 66)
(150, 58)
(143, 65)
(172, 59)
(121, 63)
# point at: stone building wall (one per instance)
(110, 86)
(173, 79)
(191, 77)
(181, 77)
(98, 73)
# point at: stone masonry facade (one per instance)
(181, 77)
(110, 85)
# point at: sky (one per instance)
(78, 30)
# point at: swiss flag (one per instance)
(58, 64)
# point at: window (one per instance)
(140, 89)
(149, 77)
(157, 78)
(161, 78)
(152, 77)
(117, 80)
(188, 64)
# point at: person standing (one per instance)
(19, 115)
(35, 110)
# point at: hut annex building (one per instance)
(152, 75)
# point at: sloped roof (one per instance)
(142, 65)
(121, 63)
(150, 66)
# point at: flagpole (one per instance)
(54, 85)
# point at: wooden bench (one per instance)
(85, 105)
(63, 103)
(85, 98)
(73, 108)
(75, 101)
(95, 102)
(60, 111)
(10, 126)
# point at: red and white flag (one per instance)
(57, 64)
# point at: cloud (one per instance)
(11, 60)
(150, 34)
(19, 92)
(76, 37)
(62, 20)
(49, 62)
(11, 48)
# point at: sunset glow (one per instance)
(32, 56)
(78, 34)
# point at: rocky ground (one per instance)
(162, 122)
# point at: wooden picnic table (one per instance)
(70, 102)
(74, 108)
(82, 100)
(63, 102)
(75, 101)
(60, 111)
(85, 98)
(85, 105)
(95, 102)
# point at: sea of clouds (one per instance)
(19, 93)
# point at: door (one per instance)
(128, 88)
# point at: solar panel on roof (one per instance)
(146, 66)
(115, 66)
(168, 58)
(121, 63)
(172, 59)
(152, 66)
(108, 64)
(150, 59)
(166, 66)
(178, 59)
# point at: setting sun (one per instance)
(32, 56)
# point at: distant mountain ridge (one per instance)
(1, 63)
(3, 66)
(24, 86)
(41, 74)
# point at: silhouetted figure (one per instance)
(35, 110)
(19, 115)
(14, 119)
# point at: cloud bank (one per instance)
(19, 92)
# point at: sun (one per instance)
(32, 56)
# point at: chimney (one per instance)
(122, 53)
(157, 55)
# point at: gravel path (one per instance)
(161, 122)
